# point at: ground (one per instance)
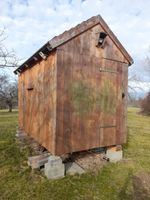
(125, 180)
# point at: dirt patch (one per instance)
(89, 161)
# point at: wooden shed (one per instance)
(73, 90)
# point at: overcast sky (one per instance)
(31, 23)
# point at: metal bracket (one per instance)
(49, 47)
(42, 55)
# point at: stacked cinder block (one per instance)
(114, 153)
(54, 168)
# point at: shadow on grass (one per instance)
(123, 195)
(139, 192)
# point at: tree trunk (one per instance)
(10, 107)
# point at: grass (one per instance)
(128, 179)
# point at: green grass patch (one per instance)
(125, 180)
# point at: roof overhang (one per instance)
(55, 42)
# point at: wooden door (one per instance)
(97, 103)
(109, 97)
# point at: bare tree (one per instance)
(145, 104)
(147, 66)
(7, 58)
(8, 88)
(8, 92)
(133, 88)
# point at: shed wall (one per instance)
(37, 102)
(90, 109)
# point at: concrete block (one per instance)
(72, 168)
(54, 169)
(54, 160)
(114, 154)
(20, 134)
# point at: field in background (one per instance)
(126, 180)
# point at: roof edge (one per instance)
(115, 40)
(68, 35)
(62, 38)
(31, 57)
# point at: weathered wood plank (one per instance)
(37, 107)
(89, 99)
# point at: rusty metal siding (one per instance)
(90, 109)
